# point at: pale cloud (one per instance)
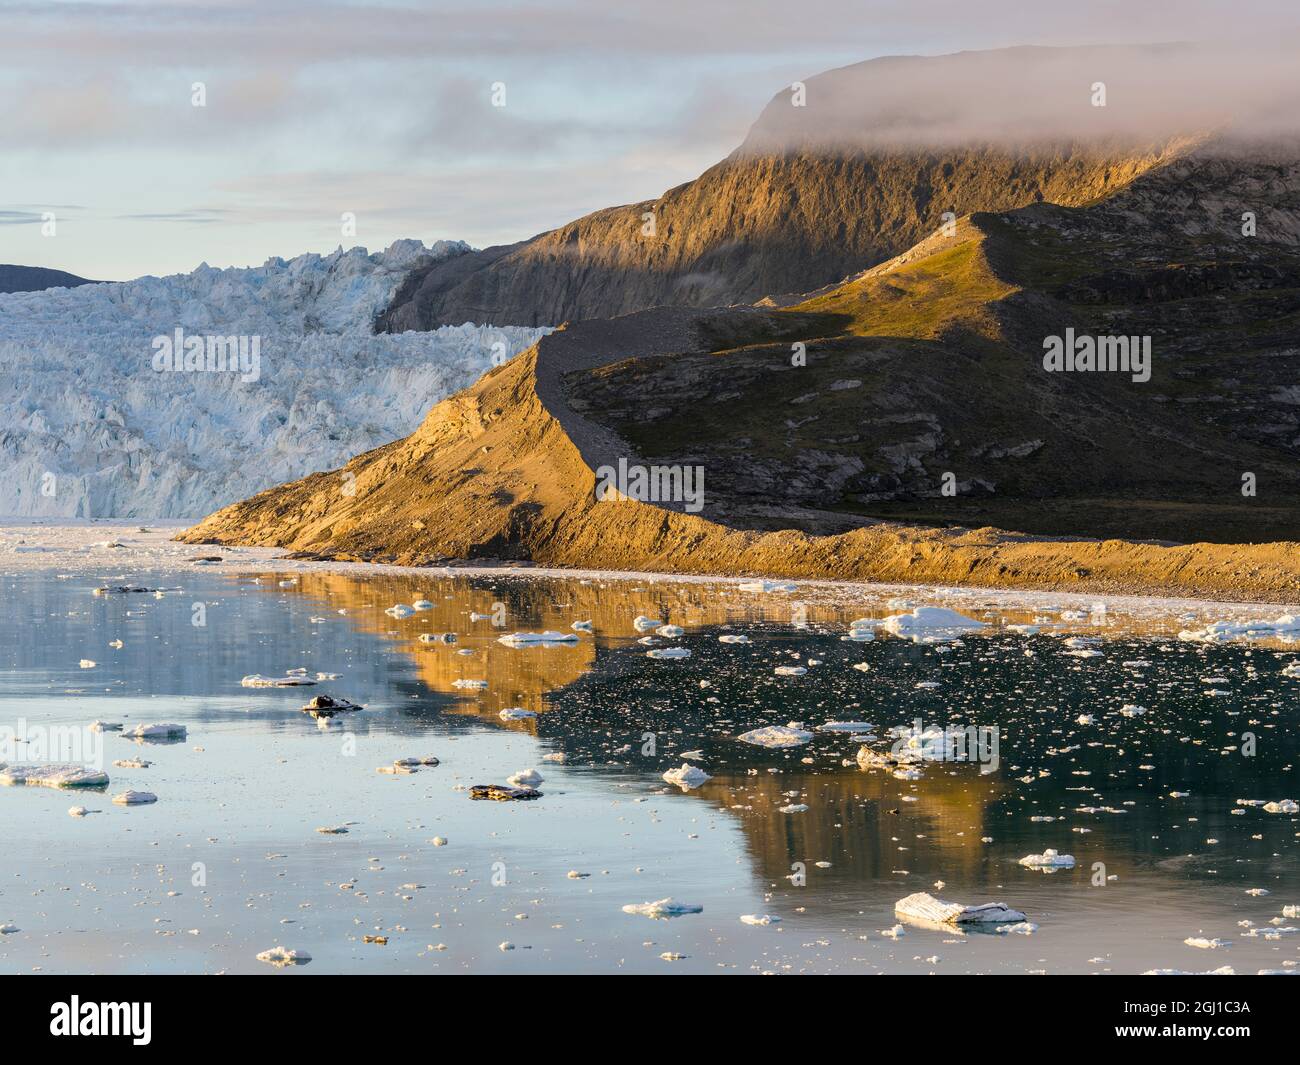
(382, 108)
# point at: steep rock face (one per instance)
(756, 224)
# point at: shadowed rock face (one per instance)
(36, 278)
(756, 224)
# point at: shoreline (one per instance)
(73, 543)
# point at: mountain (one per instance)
(891, 425)
(90, 428)
(863, 170)
(36, 278)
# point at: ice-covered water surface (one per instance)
(312, 832)
(95, 429)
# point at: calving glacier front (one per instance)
(94, 428)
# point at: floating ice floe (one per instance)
(105, 726)
(401, 610)
(931, 624)
(790, 671)
(1224, 970)
(663, 908)
(923, 907)
(289, 680)
(1130, 710)
(422, 604)
(670, 632)
(687, 777)
(1223, 631)
(165, 730)
(767, 586)
(581, 626)
(87, 663)
(642, 623)
(537, 639)
(776, 736)
(732, 638)
(793, 808)
(759, 918)
(52, 776)
(1282, 806)
(469, 685)
(669, 652)
(1017, 928)
(1049, 859)
(135, 798)
(1207, 944)
(846, 726)
(280, 957)
(133, 763)
(8, 929)
(525, 778)
(515, 713)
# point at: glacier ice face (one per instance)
(89, 429)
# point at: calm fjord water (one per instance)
(229, 862)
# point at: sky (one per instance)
(384, 110)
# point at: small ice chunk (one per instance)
(930, 624)
(760, 918)
(925, 908)
(733, 638)
(790, 671)
(537, 639)
(669, 652)
(776, 736)
(293, 679)
(525, 778)
(135, 798)
(280, 957)
(1049, 859)
(1207, 944)
(166, 730)
(687, 777)
(515, 713)
(662, 908)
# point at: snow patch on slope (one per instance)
(89, 429)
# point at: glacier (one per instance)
(89, 429)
